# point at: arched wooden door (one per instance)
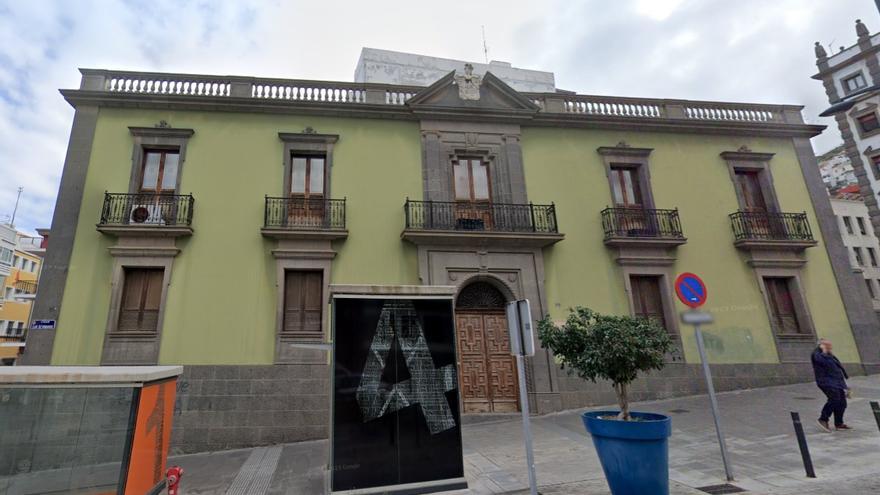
(487, 371)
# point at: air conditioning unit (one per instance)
(146, 215)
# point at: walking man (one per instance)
(831, 379)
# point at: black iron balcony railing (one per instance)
(641, 223)
(304, 213)
(147, 209)
(770, 226)
(472, 216)
(25, 287)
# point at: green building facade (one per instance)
(271, 191)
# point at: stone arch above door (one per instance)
(469, 285)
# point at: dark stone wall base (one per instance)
(680, 379)
(230, 407)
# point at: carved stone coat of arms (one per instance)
(468, 84)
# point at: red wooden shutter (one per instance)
(647, 299)
(785, 320)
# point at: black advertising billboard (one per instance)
(396, 425)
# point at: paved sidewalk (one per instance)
(757, 424)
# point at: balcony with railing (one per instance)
(304, 218)
(25, 289)
(453, 221)
(642, 226)
(147, 214)
(771, 230)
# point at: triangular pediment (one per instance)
(494, 96)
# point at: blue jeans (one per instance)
(836, 405)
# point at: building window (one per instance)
(861, 222)
(307, 176)
(784, 315)
(303, 293)
(869, 122)
(859, 260)
(854, 83)
(159, 173)
(471, 177)
(870, 284)
(847, 222)
(748, 182)
(141, 298)
(20, 329)
(626, 187)
(872, 256)
(10, 327)
(647, 299)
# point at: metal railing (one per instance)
(25, 287)
(771, 226)
(641, 223)
(147, 209)
(475, 216)
(304, 213)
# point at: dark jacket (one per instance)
(829, 372)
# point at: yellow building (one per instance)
(18, 288)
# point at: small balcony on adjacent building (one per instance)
(451, 222)
(642, 226)
(765, 230)
(304, 218)
(25, 290)
(147, 214)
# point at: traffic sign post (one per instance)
(522, 343)
(691, 290)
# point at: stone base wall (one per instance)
(681, 379)
(229, 407)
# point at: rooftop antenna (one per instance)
(15, 210)
(486, 48)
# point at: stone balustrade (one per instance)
(342, 93)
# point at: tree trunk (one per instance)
(622, 401)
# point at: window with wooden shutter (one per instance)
(749, 184)
(303, 296)
(626, 186)
(780, 296)
(647, 298)
(141, 298)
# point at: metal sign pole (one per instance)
(711, 387)
(527, 428)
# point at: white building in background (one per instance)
(7, 251)
(836, 169)
(410, 69)
(860, 241)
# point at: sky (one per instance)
(748, 50)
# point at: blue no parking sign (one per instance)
(691, 290)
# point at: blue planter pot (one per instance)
(634, 454)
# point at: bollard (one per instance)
(876, 408)
(172, 477)
(802, 444)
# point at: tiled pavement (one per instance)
(757, 424)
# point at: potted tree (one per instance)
(632, 446)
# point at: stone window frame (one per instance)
(289, 260)
(799, 298)
(120, 263)
(309, 143)
(744, 159)
(856, 113)
(873, 157)
(853, 75)
(622, 154)
(156, 138)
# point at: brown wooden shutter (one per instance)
(141, 298)
(303, 299)
(749, 183)
(784, 315)
(647, 299)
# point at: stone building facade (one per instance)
(204, 220)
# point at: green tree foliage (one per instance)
(606, 347)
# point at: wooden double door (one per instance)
(487, 371)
